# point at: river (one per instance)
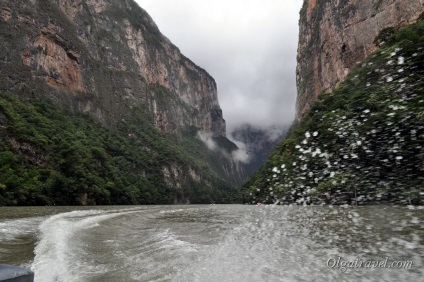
(215, 243)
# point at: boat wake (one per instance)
(60, 248)
(228, 243)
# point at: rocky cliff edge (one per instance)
(335, 35)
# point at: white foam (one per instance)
(162, 251)
(171, 211)
(12, 229)
(56, 256)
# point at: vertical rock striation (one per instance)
(88, 46)
(335, 35)
(106, 59)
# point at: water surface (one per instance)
(212, 243)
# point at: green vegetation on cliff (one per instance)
(98, 107)
(362, 143)
(52, 157)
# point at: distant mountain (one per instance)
(258, 144)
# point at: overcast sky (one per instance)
(248, 46)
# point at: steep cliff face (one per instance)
(335, 35)
(75, 46)
(107, 60)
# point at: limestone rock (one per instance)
(335, 35)
(109, 51)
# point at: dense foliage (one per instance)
(362, 143)
(51, 157)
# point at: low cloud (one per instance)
(275, 133)
(239, 155)
(207, 139)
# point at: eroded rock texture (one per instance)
(335, 35)
(112, 52)
(106, 59)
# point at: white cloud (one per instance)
(239, 155)
(207, 139)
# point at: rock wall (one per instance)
(107, 59)
(49, 57)
(108, 53)
(335, 35)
